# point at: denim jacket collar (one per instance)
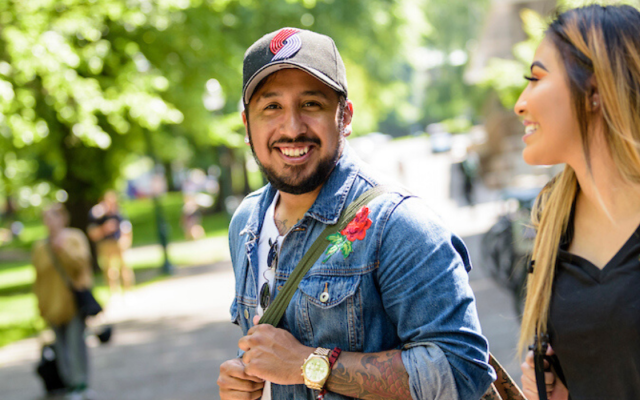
(330, 201)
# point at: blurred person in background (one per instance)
(112, 234)
(470, 170)
(582, 108)
(192, 218)
(69, 249)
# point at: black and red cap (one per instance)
(293, 48)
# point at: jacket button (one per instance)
(246, 313)
(324, 297)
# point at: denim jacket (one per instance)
(404, 286)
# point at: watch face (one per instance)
(316, 369)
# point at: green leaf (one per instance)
(331, 251)
(347, 248)
(336, 238)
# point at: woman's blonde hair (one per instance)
(600, 49)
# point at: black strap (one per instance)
(539, 355)
(274, 313)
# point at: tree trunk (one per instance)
(245, 173)
(168, 176)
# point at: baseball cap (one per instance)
(311, 52)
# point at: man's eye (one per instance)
(271, 107)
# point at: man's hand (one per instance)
(555, 388)
(273, 354)
(234, 383)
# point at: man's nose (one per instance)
(293, 124)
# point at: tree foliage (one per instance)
(84, 83)
(505, 75)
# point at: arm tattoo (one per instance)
(375, 376)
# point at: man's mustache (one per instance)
(297, 140)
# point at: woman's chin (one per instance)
(530, 157)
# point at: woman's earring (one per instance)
(246, 139)
(595, 104)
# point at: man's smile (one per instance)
(297, 154)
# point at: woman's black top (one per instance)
(594, 323)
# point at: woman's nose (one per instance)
(520, 106)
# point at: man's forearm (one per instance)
(370, 376)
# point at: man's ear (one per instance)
(347, 117)
(246, 127)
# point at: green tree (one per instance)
(83, 82)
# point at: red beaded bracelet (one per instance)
(332, 359)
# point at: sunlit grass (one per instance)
(18, 276)
(143, 217)
(19, 316)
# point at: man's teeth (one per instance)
(531, 128)
(294, 152)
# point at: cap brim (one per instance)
(277, 66)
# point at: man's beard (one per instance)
(292, 183)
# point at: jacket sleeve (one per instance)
(424, 285)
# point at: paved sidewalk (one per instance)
(169, 341)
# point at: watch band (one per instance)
(332, 360)
(320, 351)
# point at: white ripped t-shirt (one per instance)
(269, 231)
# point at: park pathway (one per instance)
(169, 340)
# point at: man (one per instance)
(398, 305)
(112, 233)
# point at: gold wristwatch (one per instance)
(316, 369)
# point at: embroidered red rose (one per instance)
(357, 228)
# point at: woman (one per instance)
(68, 249)
(582, 108)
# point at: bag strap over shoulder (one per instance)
(274, 313)
(504, 387)
(56, 263)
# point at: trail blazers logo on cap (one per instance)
(285, 44)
